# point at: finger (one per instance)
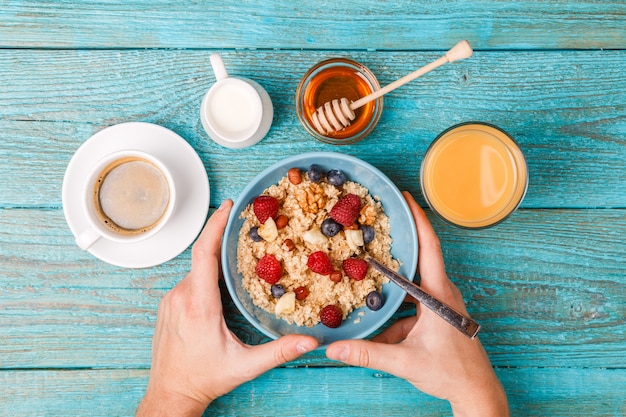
(397, 332)
(367, 354)
(205, 253)
(277, 352)
(430, 259)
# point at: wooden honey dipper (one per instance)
(339, 113)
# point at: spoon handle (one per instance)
(464, 324)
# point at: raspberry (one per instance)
(346, 210)
(319, 262)
(355, 268)
(264, 207)
(268, 269)
(331, 316)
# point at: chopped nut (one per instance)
(335, 276)
(367, 215)
(295, 176)
(353, 226)
(301, 293)
(288, 245)
(281, 221)
(312, 198)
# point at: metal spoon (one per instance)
(464, 324)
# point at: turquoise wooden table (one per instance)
(547, 285)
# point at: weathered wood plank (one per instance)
(319, 24)
(570, 122)
(547, 286)
(293, 392)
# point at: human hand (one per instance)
(195, 357)
(425, 350)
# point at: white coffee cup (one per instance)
(128, 196)
(236, 112)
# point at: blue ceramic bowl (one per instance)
(404, 247)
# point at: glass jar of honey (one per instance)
(337, 78)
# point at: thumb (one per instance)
(367, 354)
(277, 352)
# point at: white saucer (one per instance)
(192, 192)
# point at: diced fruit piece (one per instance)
(346, 210)
(374, 301)
(331, 316)
(265, 207)
(278, 290)
(268, 230)
(286, 304)
(354, 238)
(254, 234)
(355, 268)
(315, 173)
(335, 177)
(330, 227)
(368, 234)
(269, 269)
(314, 237)
(295, 176)
(320, 263)
(335, 276)
(301, 293)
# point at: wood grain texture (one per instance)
(547, 285)
(320, 24)
(558, 392)
(570, 123)
(551, 295)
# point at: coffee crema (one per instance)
(131, 196)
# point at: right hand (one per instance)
(425, 350)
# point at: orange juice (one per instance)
(474, 175)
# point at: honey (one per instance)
(336, 79)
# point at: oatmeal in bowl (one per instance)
(293, 247)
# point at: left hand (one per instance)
(195, 357)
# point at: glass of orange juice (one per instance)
(474, 175)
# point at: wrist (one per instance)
(486, 401)
(157, 404)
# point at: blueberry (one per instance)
(254, 234)
(374, 301)
(278, 290)
(315, 173)
(330, 227)
(368, 233)
(335, 177)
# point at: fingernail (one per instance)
(305, 346)
(221, 207)
(340, 353)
